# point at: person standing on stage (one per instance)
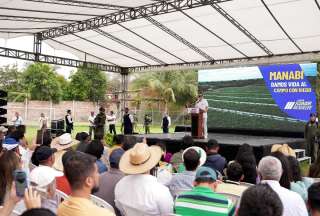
(17, 119)
(69, 122)
(91, 123)
(43, 122)
(166, 123)
(112, 122)
(147, 122)
(310, 135)
(127, 122)
(99, 123)
(203, 106)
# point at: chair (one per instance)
(176, 193)
(101, 203)
(234, 198)
(60, 196)
(246, 184)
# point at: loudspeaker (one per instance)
(57, 124)
(3, 102)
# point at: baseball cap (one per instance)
(44, 152)
(115, 156)
(207, 173)
(42, 176)
(10, 143)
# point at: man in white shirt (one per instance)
(17, 119)
(166, 123)
(140, 193)
(270, 170)
(91, 122)
(112, 122)
(203, 106)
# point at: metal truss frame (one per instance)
(77, 3)
(125, 15)
(281, 27)
(317, 3)
(32, 56)
(236, 62)
(179, 38)
(35, 19)
(130, 46)
(241, 28)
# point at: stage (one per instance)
(229, 143)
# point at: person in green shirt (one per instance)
(311, 139)
(202, 199)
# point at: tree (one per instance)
(10, 78)
(41, 82)
(88, 84)
(174, 87)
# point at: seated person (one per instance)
(184, 181)
(234, 177)
(84, 139)
(314, 199)
(202, 199)
(214, 160)
(260, 200)
(96, 149)
(176, 159)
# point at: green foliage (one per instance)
(41, 82)
(174, 87)
(88, 84)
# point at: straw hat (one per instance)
(203, 154)
(140, 159)
(284, 149)
(62, 142)
(58, 160)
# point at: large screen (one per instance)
(274, 97)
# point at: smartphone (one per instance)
(20, 179)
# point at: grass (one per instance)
(31, 132)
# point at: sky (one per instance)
(244, 73)
(26, 44)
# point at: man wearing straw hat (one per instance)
(139, 193)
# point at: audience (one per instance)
(298, 184)
(3, 132)
(139, 193)
(43, 155)
(129, 142)
(109, 179)
(232, 184)
(286, 177)
(214, 160)
(270, 169)
(42, 179)
(260, 200)
(61, 160)
(314, 171)
(84, 139)
(9, 162)
(176, 159)
(202, 199)
(81, 171)
(95, 148)
(246, 158)
(117, 142)
(314, 199)
(163, 171)
(184, 180)
(38, 212)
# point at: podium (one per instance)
(197, 131)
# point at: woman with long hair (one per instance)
(246, 158)
(286, 177)
(9, 162)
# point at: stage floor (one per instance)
(226, 139)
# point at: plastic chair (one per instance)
(176, 193)
(101, 203)
(60, 196)
(246, 184)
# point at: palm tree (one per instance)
(174, 87)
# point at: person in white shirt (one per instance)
(91, 123)
(270, 170)
(43, 122)
(203, 106)
(112, 122)
(140, 193)
(17, 119)
(166, 123)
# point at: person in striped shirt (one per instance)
(202, 199)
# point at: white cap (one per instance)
(42, 176)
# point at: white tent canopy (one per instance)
(234, 29)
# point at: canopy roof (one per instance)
(146, 33)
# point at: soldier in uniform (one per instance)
(99, 123)
(310, 135)
(147, 122)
